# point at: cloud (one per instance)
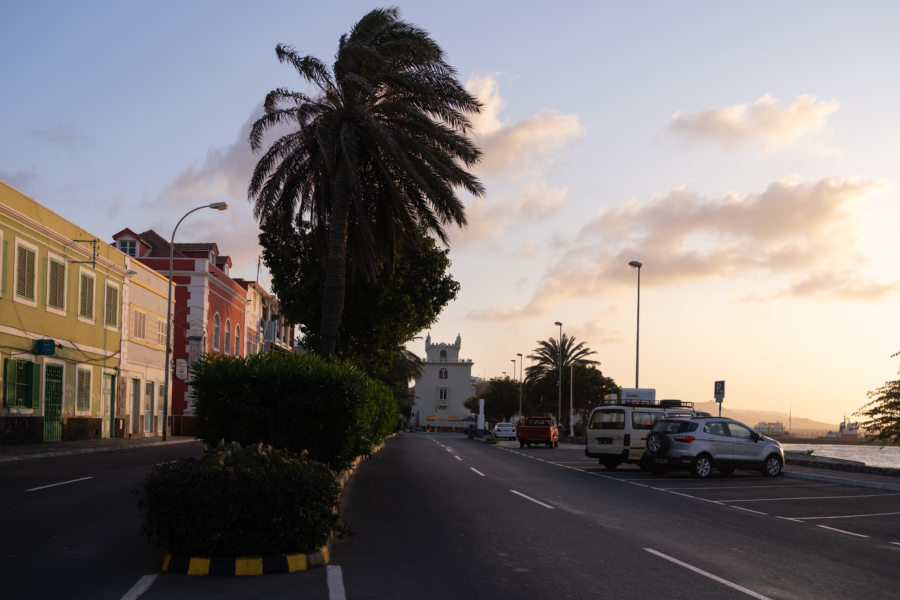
(767, 121)
(22, 180)
(59, 135)
(516, 158)
(799, 231)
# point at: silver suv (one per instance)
(702, 444)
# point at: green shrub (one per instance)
(299, 402)
(239, 501)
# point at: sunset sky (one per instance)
(747, 153)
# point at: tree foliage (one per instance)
(374, 155)
(882, 413)
(548, 355)
(380, 316)
(501, 400)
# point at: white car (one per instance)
(504, 430)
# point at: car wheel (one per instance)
(521, 444)
(701, 466)
(725, 471)
(772, 466)
(656, 443)
(610, 464)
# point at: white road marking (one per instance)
(335, 580)
(477, 472)
(848, 516)
(44, 487)
(896, 543)
(815, 498)
(140, 587)
(531, 499)
(842, 531)
(708, 574)
(457, 457)
(756, 512)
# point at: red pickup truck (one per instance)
(537, 430)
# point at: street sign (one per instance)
(720, 391)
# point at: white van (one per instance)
(617, 433)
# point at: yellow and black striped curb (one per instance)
(246, 565)
(258, 565)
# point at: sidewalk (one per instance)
(16, 452)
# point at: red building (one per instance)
(208, 312)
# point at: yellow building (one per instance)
(61, 307)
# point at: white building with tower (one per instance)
(445, 384)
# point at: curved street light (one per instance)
(215, 206)
(637, 340)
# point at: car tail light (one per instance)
(684, 439)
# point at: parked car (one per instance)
(702, 444)
(617, 433)
(537, 430)
(505, 431)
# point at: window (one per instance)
(22, 384)
(737, 431)
(26, 258)
(111, 319)
(443, 356)
(237, 340)
(86, 296)
(128, 247)
(607, 419)
(83, 390)
(227, 336)
(442, 374)
(442, 398)
(644, 419)
(217, 326)
(56, 285)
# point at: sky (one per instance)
(746, 153)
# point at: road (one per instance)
(450, 517)
(443, 516)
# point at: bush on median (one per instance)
(299, 402)
(239, 501)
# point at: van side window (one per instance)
(608, 419)
(644, 419)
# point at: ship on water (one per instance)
(847, 430)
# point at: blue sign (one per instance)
(720, 391)
(45, 347)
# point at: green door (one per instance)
(53, 395)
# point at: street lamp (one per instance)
(519, 354)
(216, 206)
(559, 385)
(637, 339)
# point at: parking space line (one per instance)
(851, 497)
(895, 543)
(842, 531)
(888, 514)
(477, 472)
(44, 487)
(138, 589)
(730, 584)
(756, 512)
(529, 498)
(456, 456)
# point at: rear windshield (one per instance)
(538, 421)
(674, 426)
(607, 419)
(644, 419)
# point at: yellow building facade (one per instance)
(61, 323)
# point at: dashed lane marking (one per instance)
(44, 487)
(530, 499)
(730, 584)
(476, 471)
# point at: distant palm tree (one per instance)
(374, 155)
(547, 355)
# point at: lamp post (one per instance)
(559, 385)
(216, 206)
(637, 339)
(519, 354)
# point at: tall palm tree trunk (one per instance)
(335, 269)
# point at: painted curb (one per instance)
(260, 565)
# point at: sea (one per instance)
(873, 456)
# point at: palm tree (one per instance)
(547, 355)
(373, 155)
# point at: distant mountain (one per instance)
(752, 417)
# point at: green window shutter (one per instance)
(34, 386)
(9, 381)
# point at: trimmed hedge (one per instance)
(299, 402)
(239, 501)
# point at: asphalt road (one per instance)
(442, 516)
